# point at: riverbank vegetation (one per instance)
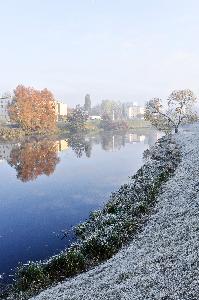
(76, 120)
(35, 113)
(9, 134)
(32, 112)
(107, 230)
(14, 134)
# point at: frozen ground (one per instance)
(162, 262)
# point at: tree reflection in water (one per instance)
(31, 160)
(80, 145)
(112, 142)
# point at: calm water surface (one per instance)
(48, 186)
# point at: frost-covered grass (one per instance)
(107, 230)
(161, 262)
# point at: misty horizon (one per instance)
(120, 50)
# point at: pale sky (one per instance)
(112, 49)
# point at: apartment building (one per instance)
(136, 138)
(61, 108)
(136, 112)
(4, 116)
(62, 145)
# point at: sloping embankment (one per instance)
(162, 261)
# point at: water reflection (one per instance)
(33, 159)
(80, 144)
(113, 142)
(79, 173)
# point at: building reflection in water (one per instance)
(112, 142)
(33, 159)
(136, 138)
(62, 145)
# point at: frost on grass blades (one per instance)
(106, 231)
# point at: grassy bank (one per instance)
(17, 134)
(9, 134)
(138, 123)
(93, 126)
(107, 230)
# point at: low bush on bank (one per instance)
(38, 275)
(108, 124)
(42, 132)
(106, 231)
(138, 123)
(93, 126)
(11, 133)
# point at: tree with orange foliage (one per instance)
(33, 109)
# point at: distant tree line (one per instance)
(35, 110)
(110, 109)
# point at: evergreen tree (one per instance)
(87, 103)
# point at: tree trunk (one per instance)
(176, 129)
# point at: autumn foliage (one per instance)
(33, 109)
(34, 159)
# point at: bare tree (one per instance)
(179, 111)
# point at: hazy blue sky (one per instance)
(115, 49)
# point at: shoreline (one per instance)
(161, 262)
(14, 135)
(50, 272)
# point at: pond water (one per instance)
(48, 186)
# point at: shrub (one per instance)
(113, 125)
(29, 276)
(11, 133)
(65, 265)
